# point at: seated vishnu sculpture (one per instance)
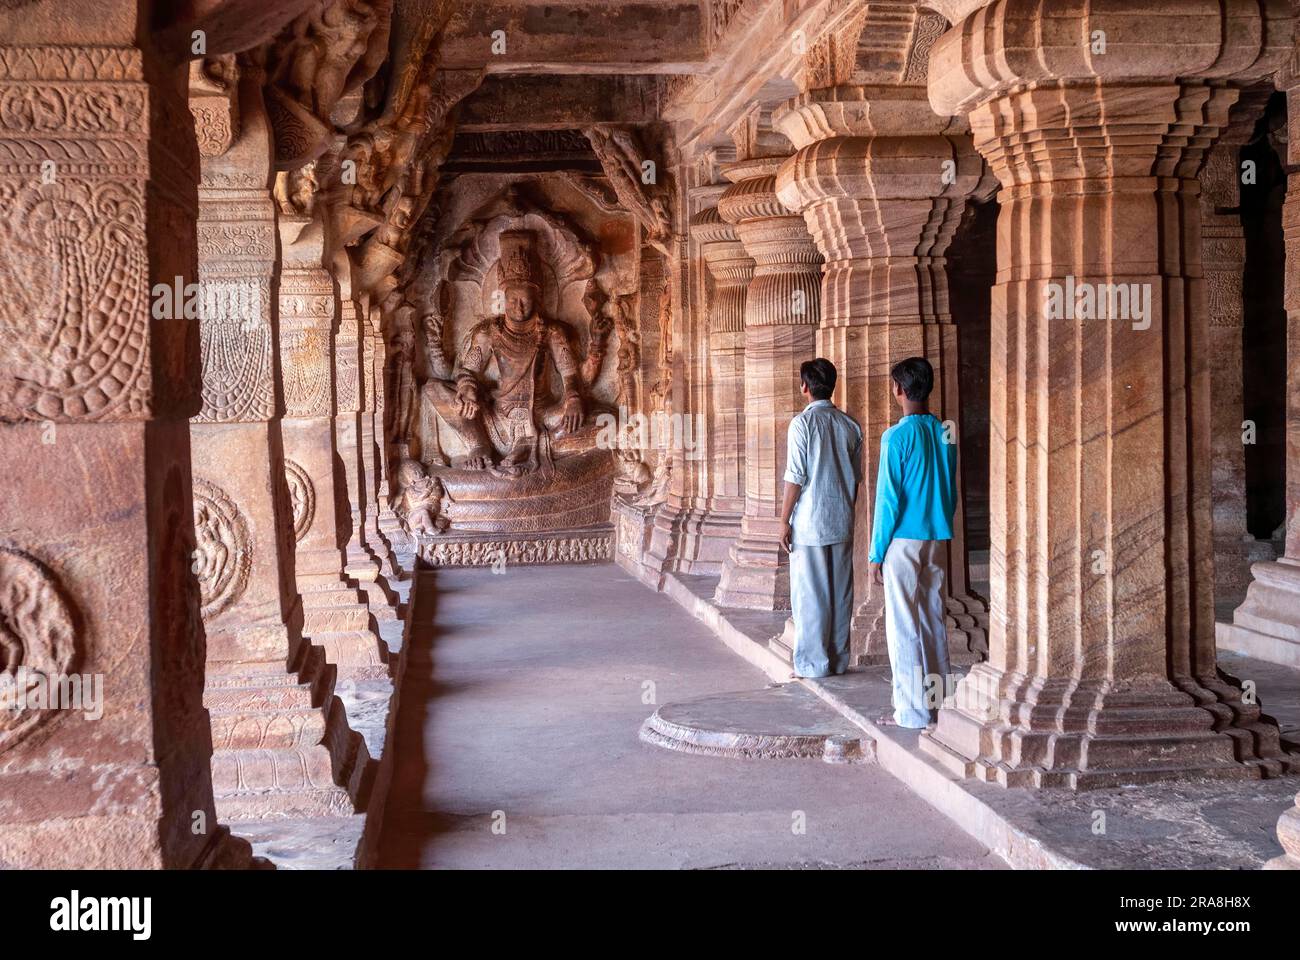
(509, 428)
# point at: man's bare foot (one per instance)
(886, 720)
(478, 463)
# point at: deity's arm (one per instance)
(473, 357)
(565, 362)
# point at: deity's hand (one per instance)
(467, 395)
(573, 414)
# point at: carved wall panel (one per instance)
(224, 553)
(36, 635)
(73, 161)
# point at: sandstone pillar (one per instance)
(1224, 252)
(1267, 624)
(883, 190)
(335, 613)
(1102, 662)
(782, 309)
(280, 739)
(731, 268)
(97, 205)
(372, 449)
(350, 361)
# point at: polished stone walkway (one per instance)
(517, 745)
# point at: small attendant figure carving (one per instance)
(420, 500)
(518, 417)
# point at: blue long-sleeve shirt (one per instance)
(916, 489)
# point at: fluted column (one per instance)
(883, 191)
(350, 359)
(1224, 252)
(706, 542)
(781, 315)
(1102, 662)
(1267, 624)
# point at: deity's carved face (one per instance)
(519, 302)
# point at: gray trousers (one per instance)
(915, 629)
(821, 601)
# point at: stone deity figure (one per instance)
(516, 419)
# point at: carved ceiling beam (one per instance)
(575, 36)
(756, 54)
(559, 103)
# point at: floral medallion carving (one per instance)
(223, 555)
(37, 636)
(302, 496)
(73, 322)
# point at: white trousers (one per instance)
(821, 602)
(914, 628)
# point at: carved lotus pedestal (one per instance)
(559, 513)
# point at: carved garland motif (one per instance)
(73, 320)
(224, 553)
(36, 634)
(302, 495)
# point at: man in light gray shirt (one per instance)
(823, 470)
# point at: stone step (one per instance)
(254, 783)
(778, 722)
(268, 729)
(258, 698)
(335, 618)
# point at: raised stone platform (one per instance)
(779, 722)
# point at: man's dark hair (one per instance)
(914, 376)
(819, 377)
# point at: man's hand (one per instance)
(876, 573)
(467, 394)
(785, 536)
(573, 414)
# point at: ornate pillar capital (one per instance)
(1005, 47)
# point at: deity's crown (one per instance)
(517, 257)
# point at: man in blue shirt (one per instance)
(916, 493)
(823, 470)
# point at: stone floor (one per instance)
(517, 745)
(1213, 825)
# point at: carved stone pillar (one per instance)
(1224, 252)
(731, 268)
(372, 449)
(1102, 664)
(883, 190)
(97, 205)
(279, 739)
(349, 377)
(335, 613)
(781, 316)
(1267, 624)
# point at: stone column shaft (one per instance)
(1102, 664)
(282, 747)
(883, 204)
(782, 308)
(97, 206)
(706, 541)
(336, 616)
